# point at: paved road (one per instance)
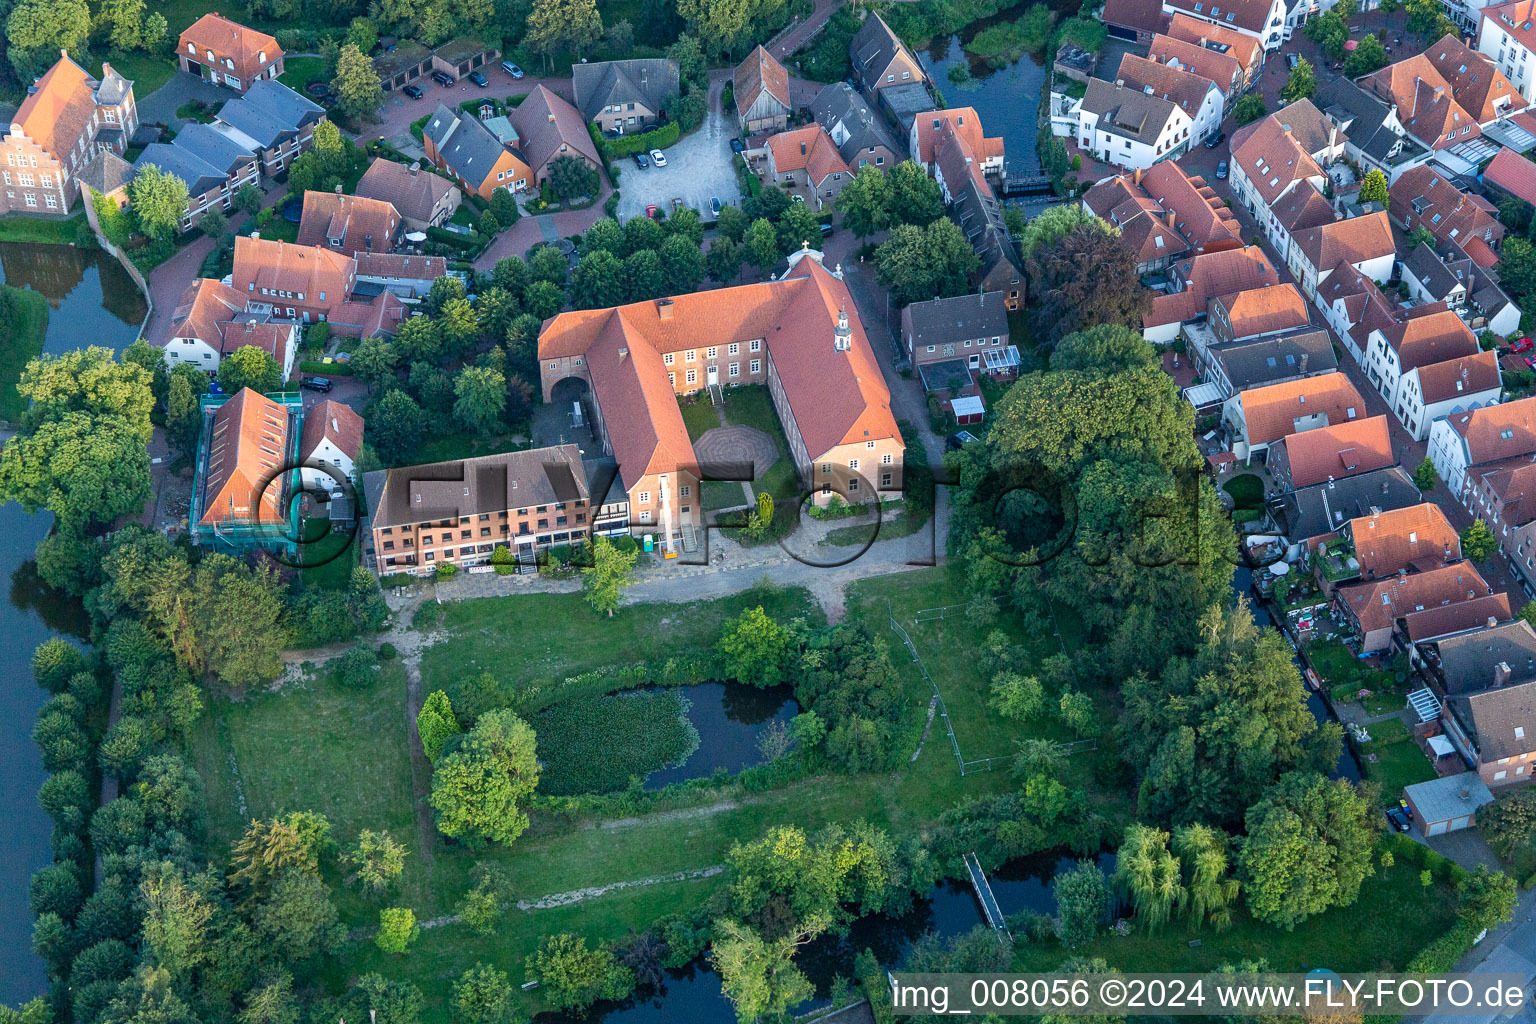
(803, 33)
(1508, 949)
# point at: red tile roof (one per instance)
(809, 149)
(1222, 68)
(1455, 618)
(1418, 536)
(321, 276)
(1184, 88)
(362, 224)
(1353, 241)
(835, 397)
(1276, 307)
(1245, 48)
(247, 449)
(1446, 90)
(1339, 450)
(1249, 15)
(1462, 376)
(332, 421)
(1483, 430)
(1271, 412)
(1272, 159)
(1511, 171)
(1208, 275)
(1451, 215)
(245, 46)
(965, 122)
(1429, 338)
(58, 111)
(1377, 605)
(758, 74)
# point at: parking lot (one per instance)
(698, 167)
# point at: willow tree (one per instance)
(1149, 875)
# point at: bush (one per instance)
(447, 571)
(387, 651)
(629, 145)
(358, 669)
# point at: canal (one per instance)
(92, 301)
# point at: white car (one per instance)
(658, 158)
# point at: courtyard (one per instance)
(699, 167)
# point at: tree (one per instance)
(1427, 19)
(271, 848)
(398, 425)
(1302, 83)
(570, 178)
(397, 929)
(1308, 848)
(376, 861)
(375, 359)
(37, 30)
(1330, 31)
(1084, 278)
(1421, 235)
(250, 367)
(299, 919)
(478, 789)
(1082, 898)
(1077, 714)
(798, 229)
(543, 299)
(758, 975)
(682, 264)
(1478, 542)
(480, 398)
(1425, 477)
(642, 276)
(84, 470)
(176, 918)
(755, 649)
(125, 23)
(574, 976)
(213, 222)
(483, 995)
(1370, 55)
(391, 1002)
(732, 223)
(1148, 874)
(865, 202)
(913, 197)
(481, 907)
(1373, 188)
(356, 84)
(1109, 348)
(1056, 221)
(612, 572)
(488, 225)
(272, 1003)
(158, 200)
(1486, 899)
(1202, 852)
(435, 724)
(723, 261)
(556, 26)
(761, 243)
(922, 263)
(1249, 109)
(230, 623)
(1510, 822)
(1017, 698)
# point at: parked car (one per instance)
(652, 210)
(714, 205)
(413, 91)
(478, 79)
(737, 146)
(1221, 171)
(1523, 345)
(1292, 59)
(316, 383)
(1215, 140)
(1397, 819)
(1530, 360)
(826, 230)
(442, 78)
(642, 161)
(658, 158)
(511, 69)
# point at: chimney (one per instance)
(664, 309)
(1492, 621)
(415, 168)
(842, 334)
(623, 353)
(1501, 674)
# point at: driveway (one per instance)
(698, 167)
(160, 106)
(399, 110)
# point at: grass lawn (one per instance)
(333, 555)
(1399, 761)
(1393, 919)
(720, 494)
(527, 639)
(50, 230)
(20, 340)
(1247, 497)
(147, 71)
(460, 446)
(300, 71)
(698, 416)
(750, 406)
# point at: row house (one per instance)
(1486, 679)
(1219, 66)
(1364, 243)
(1481, 437)
(1257, 418)
(460, 144)
(66, 120)
(799, 334)
(311, 284)
(329, 445)
(962, 124)
(1201, 99)
(1458, 281)
(1446, 93)
(1163, 215)
(1226, 369)
(1373, 610)
(1503, 495)
(1277, 154)
(460, 512)
(1374, 137)
(1193, 282)
(1426, 364)
(1417, 538)
(227, 53)
(214, 166)
(880, 60)
(1135, 21)
(1347, 300)
(1248, 51)
(1127, 127)
(1425, 198)
(348, 224)
(1335, 452)
(1506, 33)
(861, 135)
(1262, 20)
(974, 206)
(278, 122)
(1312, 516)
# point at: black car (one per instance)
(413, 91)
(316, 383)
(642, 161)
(478, 79)
(442, 78)
(1397, 819)
(737, 146)
(1215, 140)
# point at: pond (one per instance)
(729, 718)
(1007, 98)
(92, 302)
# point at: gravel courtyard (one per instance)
(698, 167)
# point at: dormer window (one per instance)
(261, 58)
(192, 49)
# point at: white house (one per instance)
(1365, 243)
(1434, 392)
(1507, 34)
(1264, 20)
(1426, 363)
(1126, 127)
(213, 319)
(1197, 96)
(328, 449)
(1480, 436)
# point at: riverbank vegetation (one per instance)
(23, 324)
